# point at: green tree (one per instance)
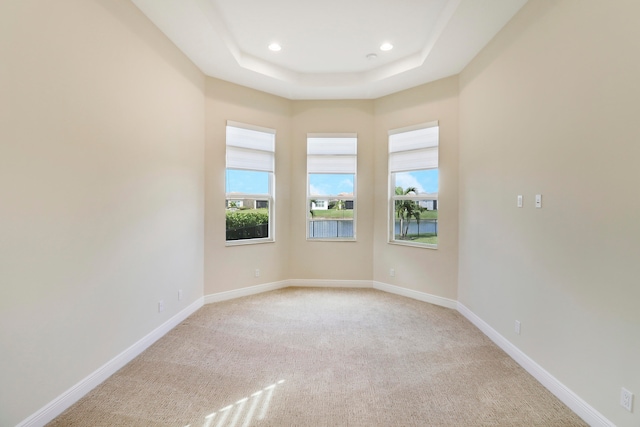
(405, 209)
(244, 219)
(417, 214)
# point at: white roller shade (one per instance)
(331, 154)
(414, 149)
(403, 161)
(241, 158)
(250, 148)
(329, 146)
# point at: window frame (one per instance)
(270, 196)
(417, 198)
(328, 198)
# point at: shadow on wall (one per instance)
(137, 23)
(498, 46)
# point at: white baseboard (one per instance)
(72, 395)
(244, 292)
(68, 398)
(317, 283)
(420, 296)
(568, 397)
(321, 283)
(266, 287)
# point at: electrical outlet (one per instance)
(160, 306)
(516, 327)
(257, 272)
(538, 201)
(626, 399)
(392, 272)
(179, 294)
(519, 200)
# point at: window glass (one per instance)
(331, 187)
(413, 185)
(249, 184)
(416, 207)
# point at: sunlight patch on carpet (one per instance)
(263, 396)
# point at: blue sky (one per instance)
(425, 181)
(251, 182)
(330, 184)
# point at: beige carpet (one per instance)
(321, 357)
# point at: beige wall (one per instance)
(101, 191)
(106, 131)
(550, 107)
(233, 267)
(292, 256)
(430, 271)
(331, 260)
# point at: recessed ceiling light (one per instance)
(275, 47)
(372, 56)
(386, 46)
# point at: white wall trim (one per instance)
(266, 287)
(318, 283)
(420, 296)
(243, 292)
(72, 395)
(568, 397)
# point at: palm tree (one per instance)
(405, 209)
(311, 204)
(417, 214)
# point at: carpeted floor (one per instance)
(321, 357)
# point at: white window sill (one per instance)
(245, 242)
(332, 240)
(414, 245)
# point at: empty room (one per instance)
(345, 213)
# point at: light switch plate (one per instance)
(538, 201)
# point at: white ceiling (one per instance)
(325, 44)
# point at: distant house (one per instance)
(319, 205)
(431, 205)
(233, 203)
(247, 203)
(328, 203)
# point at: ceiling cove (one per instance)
(330, 49)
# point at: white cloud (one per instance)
(317, 191)
(346, 184)
(406, 180)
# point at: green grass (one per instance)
(332, 214)
(429, 214)
(424, 214)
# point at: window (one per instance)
(413, 185)
(331, 186)
(249, 184)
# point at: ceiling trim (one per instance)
(198, 28)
